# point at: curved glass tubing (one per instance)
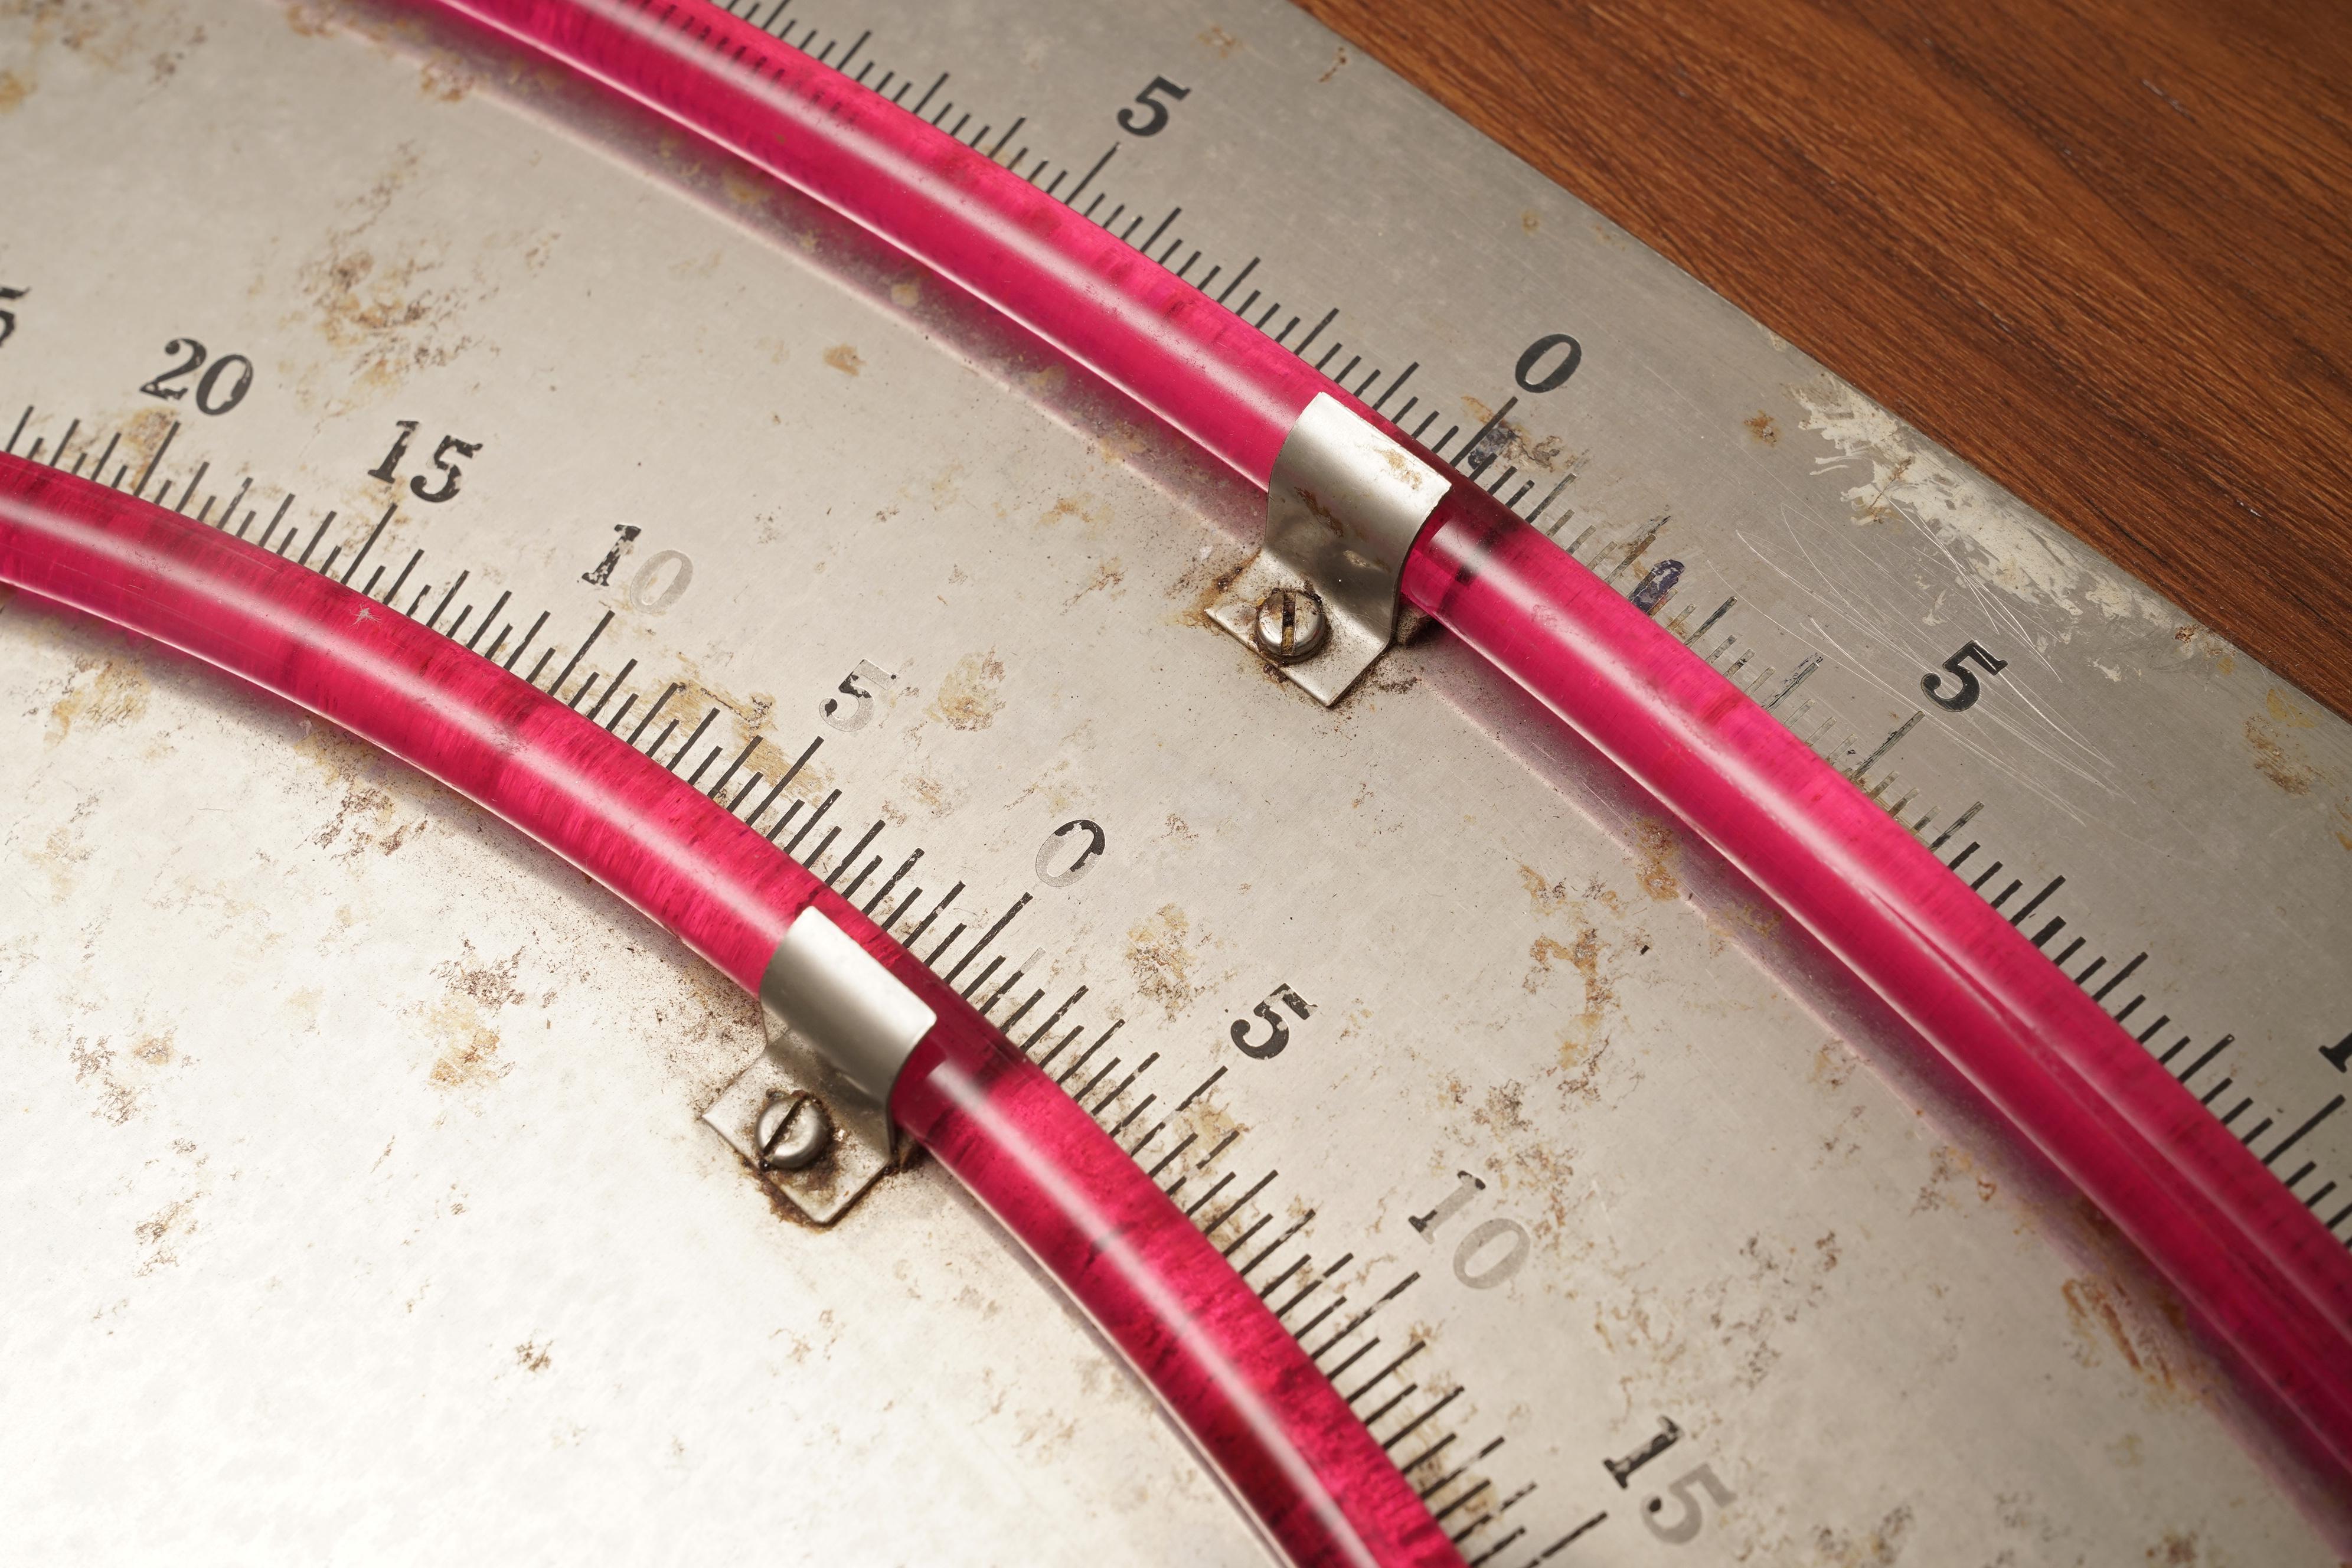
(2275, 1288)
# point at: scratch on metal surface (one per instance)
(1815, 634)
(1999, 541)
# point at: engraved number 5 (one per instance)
(1686, 1523)
(856, 718)
(1965, 697)
(1278, 1034)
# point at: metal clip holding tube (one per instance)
(812, 1113)
(1344, 504)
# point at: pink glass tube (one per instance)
(1193, 362)
(2258, 1266)
(1287, 1445)
(2261, 1268)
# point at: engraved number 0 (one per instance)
(1548, 363)
(648, 592)
(1095, 841)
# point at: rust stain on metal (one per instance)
(2101, 1328)
(1206, 583)
(1320, 510)
(1586, 1042)
(1211, 1123)
(1580, 1047)
(159, 1234)
(460, 1021)
(1655, 851)
(469, 1046)
(967, 698)
(63, 851)
(1160, 955)
(910, 1161)
(1950, 1170)
(1833, 1064)
(393, 302)
(1545, 455)
(2277, 756)
(682, 714)
(744, 186)
(444, 76)
(1091, 512)
(1109, 576)
(139, 433)
(1881, 1546)
(1538, 1170)
(118, 1101)
(1548, 897)
(1116, 443)
(368, 785)
(114, 38)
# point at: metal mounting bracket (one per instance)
(839, 1027)
(1343, 506)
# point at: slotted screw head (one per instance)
(1291, 625)
(793, 1132)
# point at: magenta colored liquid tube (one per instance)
(2261, 1268)
(1315, 1480)
(1196, 364)
(2258, 1268)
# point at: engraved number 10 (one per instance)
(1489, 1252)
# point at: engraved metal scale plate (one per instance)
(357, 1194)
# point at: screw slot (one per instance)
(793, 1133)
(1291, 625)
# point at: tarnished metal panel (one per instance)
(354, 1147)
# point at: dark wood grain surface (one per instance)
(2101, 249)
